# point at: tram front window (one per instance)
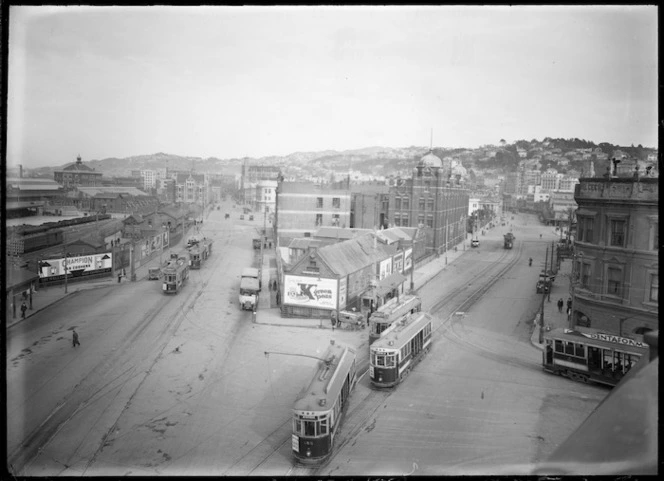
(310, 427)
(385, 360)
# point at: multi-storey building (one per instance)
(251, 175)
(615, 282)
(369, 206)
(265, 196)
(432, 199)
(76, 175)
(191, 188)
(301, 208)
(549, 180)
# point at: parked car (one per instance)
(475, 243)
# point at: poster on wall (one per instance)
(385, 268)
(397, 261)
(54, 269)
(310, 292)
(408, 259)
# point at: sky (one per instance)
(234, 82)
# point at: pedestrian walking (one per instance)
(549, 296)
(275, 285)
(569, 303)
(278, 298)
(569, 313)
(561, 303)
(23, 309)
(74, 339)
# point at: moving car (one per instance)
(475, 243)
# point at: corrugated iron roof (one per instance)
(116, 189)
(340, 232)
(349, 256)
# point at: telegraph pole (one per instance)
(64, 263)
(544, 294)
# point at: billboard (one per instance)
(310, 292)
(54, 269)
(385, 268)
(397, 261)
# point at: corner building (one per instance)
(433, 199)
(615, 279)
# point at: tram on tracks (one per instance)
(397, 351)
(590, 357)
(319, 409)
(391, 312)
(199, 252)
(175, 274)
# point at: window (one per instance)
(404, 220)
(319, 219)
(397, 203)
(427, 186)
(655, 235)
(430, 205)
(336, 202)
(614, 281)
(405, 204)
(617, 233)
(420, 219)
(319, 202)
(397, 220)
(586, 225)
(421, 205)
(585, 275)
(654, 288)
(429, 220)
(335, 219)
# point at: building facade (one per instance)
(433, 199)
(615, 282)
(301, 208)
(76, 175)
(252, 174)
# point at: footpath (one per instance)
(269, 313)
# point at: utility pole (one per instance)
(64, 263)
(544, 294)
(131, 261)
(412, 266)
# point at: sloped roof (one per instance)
(349, 256)
(340, 232)
(26, 184)
(114, 189)
(79, 167)
(17, 277)
(303, 243)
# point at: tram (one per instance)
(319, 409)
(596, 357)
(175, 274)
(397, 351)
(199, 252)
(391, 312)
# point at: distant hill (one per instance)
(366, 159)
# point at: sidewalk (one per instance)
(552, 318)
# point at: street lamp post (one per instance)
(544, 293)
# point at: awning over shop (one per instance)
(390, 283)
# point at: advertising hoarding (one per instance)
(310, 292)
(54, 269)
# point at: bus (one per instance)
(390, 312)
(175, 273)
(590, 357)
(319, 409)
(396, 352)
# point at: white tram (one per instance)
(319, 409)
(391, 312)
(395, 353)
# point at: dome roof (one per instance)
(431, 160)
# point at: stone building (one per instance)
(615, 281)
